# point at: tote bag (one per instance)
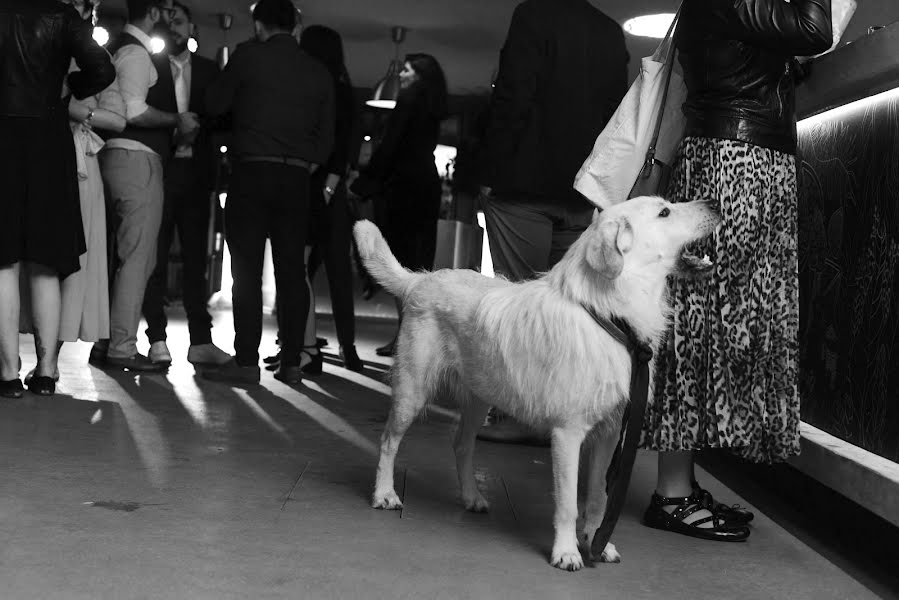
(635, 150)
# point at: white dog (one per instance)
(532, 350)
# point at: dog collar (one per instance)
(624, 334)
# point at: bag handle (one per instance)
(667, 46)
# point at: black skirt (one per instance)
(40, 213)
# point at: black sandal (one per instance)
(12, 388)
(733, 514)
(658, 518)
(42, 386)
(314, 366)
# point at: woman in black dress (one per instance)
(402, 169)
(40, 207)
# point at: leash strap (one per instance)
(622, 464)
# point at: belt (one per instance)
(280, 160)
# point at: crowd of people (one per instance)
(727, 377)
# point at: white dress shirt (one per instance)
(181, 73)
(136, 75)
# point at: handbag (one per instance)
(634, 152)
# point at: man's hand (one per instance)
(331, 182)
(188, 124)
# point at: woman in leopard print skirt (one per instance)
(727, 376)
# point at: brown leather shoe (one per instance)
(136, 362)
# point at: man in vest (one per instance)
(132, 166)
(189, 179)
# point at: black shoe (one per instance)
(733, 514)
(289, 375)
(321, 342)
(388, 349)
(659, 518)
(136, 362)
(314, 366)
(12, 388)
(273, 359)
(42, 386)
(350, 359)
(231, 372)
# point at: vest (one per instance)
(161, 97)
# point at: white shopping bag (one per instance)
(622, 148)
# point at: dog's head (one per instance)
(647, 235)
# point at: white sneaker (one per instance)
(207, 355)
(159, 354)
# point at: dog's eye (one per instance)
(665, 212)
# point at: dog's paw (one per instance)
(386, 501)
(567, 560)
(610, 554)
(477, 504)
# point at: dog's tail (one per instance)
(379, 260)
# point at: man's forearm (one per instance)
(155, 118)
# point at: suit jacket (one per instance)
(562, 74)
(203, 73)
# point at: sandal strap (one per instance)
(670, 501)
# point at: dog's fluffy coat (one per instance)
(533, 351)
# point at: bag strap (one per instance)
(667, 44)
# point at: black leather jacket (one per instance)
(738, 56)
(38, 40)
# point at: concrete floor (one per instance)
(169, 486)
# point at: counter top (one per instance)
(862, 68)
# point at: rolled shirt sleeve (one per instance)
(136, 75)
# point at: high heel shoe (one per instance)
(315, 364)
(42, 386)
(350, 359)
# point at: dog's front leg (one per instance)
(566, 447)
(601, 456)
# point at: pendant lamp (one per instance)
(388, 89)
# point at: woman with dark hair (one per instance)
(402, 169)
(329, 236)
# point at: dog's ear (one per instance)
(606, 253)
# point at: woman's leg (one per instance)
(45, 306)
(675, 480)
(9, 322)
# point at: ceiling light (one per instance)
(101, 36)
(193, 45)
(388, 89)
(157, 45)
(653, 26)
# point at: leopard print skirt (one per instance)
(726, 377)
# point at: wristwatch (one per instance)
(90, 116)
(329, 189)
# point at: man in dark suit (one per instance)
(281, 101)
(562, 74)
(189, 178)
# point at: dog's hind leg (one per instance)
(473, 413)
(566, 448)
(409, 396)
(600, 458)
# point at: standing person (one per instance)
(40, 209)
(403, 172)
(189, 178)
(562, 74)
(728, 378)
(85, 293)
(132, 164)
(282, 105)
(330, 226)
